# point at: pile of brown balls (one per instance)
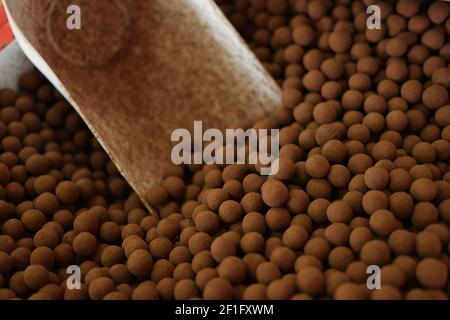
(364, 176)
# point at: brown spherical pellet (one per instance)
(46, 237)
(317, 166)
(43, 256)
(47, 203)
(256, 291)
(424, 214)
(200, 241)
(357, 271)
(175, 186)
(183, 271)
(145, 291)
(386, 292)
(383, 222)
(295, 237)
(109, 232)
(157, 196)
(375, 252)
(202, 260)
(337, 234)
(334, 151)
(253, 222)
(253, 201)
(218, 289)
(215, 198)
(303, 35)
(351, 291)
(384, 150)
(311, 281)
(253, 182)
(67, 192)
(207, 221)
(167, 228)
(401, 242)
(233, 269)
(213, 179)
(36, 276)
(435, 96)
(427, 244)
(399, 180)
(340, 41)
(115, 296)
(291, 98)
(319, 188)
(432, 273)
(297, 202)
(179, 254)
(222, 248)
(424, 152)
(204, 276)
(359, 163)
(317, 247)
(266, 272)
(282, 289)
(274, 193)
(37, 164)
(423, 189)
(374, 200)
(166, 288)
(286, 169)
(304, 261)
(440, 76)
(86, 222)
(33, 219)
(186, 289)
(340, 257)
(376, 178)
(252, 242)
(84, 244)
(334, 280)
(100, 287)
(339, 211)
(140, 263)
(325, 113)
(339, 176)
(277, 219)
(45, 183)
(230, 211)
(112, 255)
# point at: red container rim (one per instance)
(6, 35)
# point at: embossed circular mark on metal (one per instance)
(102, 35)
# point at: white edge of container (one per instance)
(13, 63)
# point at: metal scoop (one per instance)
(137, 70)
